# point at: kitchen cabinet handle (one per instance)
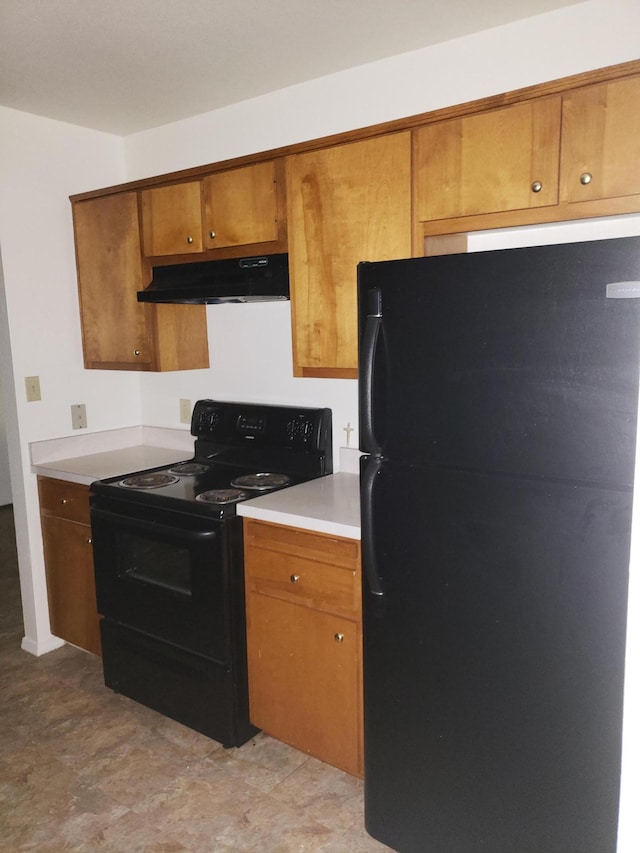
(338, 637)
(536, 186)
(64, 501)
(136, 352)
(189, 240)
(89, 541)
(212, 235)
(586, 178)
(294, 578)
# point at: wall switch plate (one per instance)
(32, 384)
(79, 416)
(185, 411)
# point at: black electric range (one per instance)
(168, 557)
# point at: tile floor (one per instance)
(82, 769)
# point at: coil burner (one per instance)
(189, 469)
(222, 496)
(149, 481)
(261, 481)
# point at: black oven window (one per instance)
(158, 564)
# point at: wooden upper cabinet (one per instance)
(107, 235)
(504, 159)
(172, 219)
(241, 206)
(118, 332)
(345, 204)
(601, 141)
(236, 207)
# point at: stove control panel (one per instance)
(283, 428)
(250, 424)
(300, 430)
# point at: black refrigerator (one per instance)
(498, 402)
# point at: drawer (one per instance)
(64, 499)
(314, 583)
(302, 543)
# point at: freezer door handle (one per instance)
(371, 469)
(370, 336)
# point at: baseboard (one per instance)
(37, 649)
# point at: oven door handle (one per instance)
(140, 524)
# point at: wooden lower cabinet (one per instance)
(304, 638)
(68, 557)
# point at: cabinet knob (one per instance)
(536, 186)
(338, 637)
(294, 578)
(189, 239)
(212, 235)
(586, 178)
(64, 501)
(136, 352)
(89, 541)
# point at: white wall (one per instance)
(42, 162)
(572, 40)
(5, 476)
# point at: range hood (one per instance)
(257, 279)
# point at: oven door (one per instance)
(165, 574)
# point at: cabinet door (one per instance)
(305, 679)
(107, 235)
(505, 159)
(345, 204)
(240, 206)
(70, 582)
(601, 141)
(172, 219)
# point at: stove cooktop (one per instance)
(241, 451)
(212, 490)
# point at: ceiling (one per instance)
(123, 66)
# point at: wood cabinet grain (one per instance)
(505, 159)
(345, 204)
(601, 142)
(304, 640)
(118, 332)
(226, 209)
(114, 325)
(572, 155)
(68, 555)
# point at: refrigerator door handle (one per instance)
(370, 471)
(372, 329)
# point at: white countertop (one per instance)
(328, 504)
(96, 456)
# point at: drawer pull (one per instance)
(64, 501)
(294, 578)
(338, 637)
(89, 541)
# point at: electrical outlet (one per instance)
(32, 384)
(79, 416)
(185, 411)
